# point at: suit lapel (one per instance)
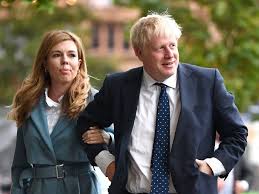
(130, 94)
(39, 118)
(187, 87)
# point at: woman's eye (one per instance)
(72, 55)
(56, 55)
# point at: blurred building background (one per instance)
(223, 34)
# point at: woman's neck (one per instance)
(55, 92)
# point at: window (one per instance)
(95, 38)
(111, 36)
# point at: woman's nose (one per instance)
(64, 59)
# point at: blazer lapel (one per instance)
(62, 124)
(39, 118)
(187, 87)
(130, 94)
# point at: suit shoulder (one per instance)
(198, 70)
(119, 76)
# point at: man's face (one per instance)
(160, 57)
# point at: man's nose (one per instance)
(168, 52)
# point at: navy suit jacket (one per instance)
(206, 106)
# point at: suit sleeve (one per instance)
(111, 145)
(19, 163)
(97, 113)
(233, 132)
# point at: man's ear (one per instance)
(138, 52)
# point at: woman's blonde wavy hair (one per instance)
(33, 86)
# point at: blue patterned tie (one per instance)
(159, 162)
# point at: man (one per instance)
(197, 103)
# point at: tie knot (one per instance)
(163, 86)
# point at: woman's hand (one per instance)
(96, 136)
(204, 167)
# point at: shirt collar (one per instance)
(50, 102)
(148, 81)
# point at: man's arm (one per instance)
(97, 113)
(232, 131)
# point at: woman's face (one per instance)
(63, 63)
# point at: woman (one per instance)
(48, 157)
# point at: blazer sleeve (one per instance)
(111, 145)
(232, 131)
(109, 130)
(97, 113)
(19, 163)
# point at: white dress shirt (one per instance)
(143, 132)
(53, 110)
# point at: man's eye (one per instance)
(172, 45)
